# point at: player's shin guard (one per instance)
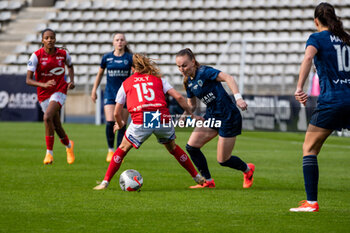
(199, 160)
(235, 163)
(115, 163)
(109, 134)
(49, 142)
(310, 170)
(65, 140)
(120, 135)
(183, 159)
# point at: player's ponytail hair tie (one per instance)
(187, 52)
(325, 13)
(145, 65)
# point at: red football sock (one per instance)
(49, 142)
(183, 159)
(115, 163)
(65, 140)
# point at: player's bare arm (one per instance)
(305, 67)
(224, 77)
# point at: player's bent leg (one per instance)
(198, 138)
(184, 161)
(115, 163)
(224, 157)
(69, 144)
(314, 139)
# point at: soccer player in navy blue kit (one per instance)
(330, 49)
(204, 83)
(118, 64)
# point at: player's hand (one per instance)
(71, 85)
(117, 126)
(49, 83)
(300, 96)
(93, 96)
(242, 104)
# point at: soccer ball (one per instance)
(130, 180)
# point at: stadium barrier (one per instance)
(18, 101)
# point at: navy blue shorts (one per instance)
(231, 123)
(111, 101)
(334, 117)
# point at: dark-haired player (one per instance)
(48, 63)
(330, 49)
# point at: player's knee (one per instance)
(48, 118)
(191, 149)
(309, 149)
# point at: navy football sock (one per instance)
(310, 170)
(110, 134)
(199, 160)
(235, 163)
(120, 135)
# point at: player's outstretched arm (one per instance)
(182, 101)
(305, 68)
(223, 77)
(96, 84)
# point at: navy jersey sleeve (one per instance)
(189, 93)
(103, 64)
(211, 73)
(313, 41)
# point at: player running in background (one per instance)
(118, 65)
(204, 82)
(49, 63)
(329, 47)
(144, 92)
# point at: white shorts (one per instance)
(58, 97)
(137, 134)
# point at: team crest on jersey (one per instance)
(200, 83)
(60, 63)
(151, 120)
(57, 71)
(126, 62)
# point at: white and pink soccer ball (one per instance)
(130, 180)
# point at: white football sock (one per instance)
(49, 151)
(311, 202)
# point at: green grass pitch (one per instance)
(59, 197)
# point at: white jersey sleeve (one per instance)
(166, 86)
(121, 96)
(32, 63)
(68, 59)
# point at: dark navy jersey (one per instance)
(211, 92)
(332, 62)
(118, 69)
